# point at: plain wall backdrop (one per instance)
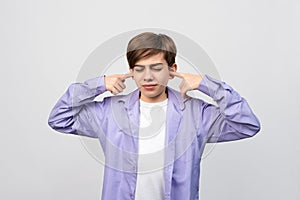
(254, 45)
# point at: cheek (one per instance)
(137, 78)
(162, 78)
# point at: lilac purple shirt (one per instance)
(190, 124)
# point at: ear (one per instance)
(131, 70)
(174, 69)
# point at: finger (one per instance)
(177, 74)
(114, 91)
(118, 88)
(128, 75)
(121, 84)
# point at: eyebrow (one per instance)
(151, 65)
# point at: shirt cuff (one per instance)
(96, 85)
(210, 86)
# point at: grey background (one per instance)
(254, 45)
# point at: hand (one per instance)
(115, 83)
(189, 82)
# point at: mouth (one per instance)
(149, 86)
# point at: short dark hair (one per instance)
(148, 44)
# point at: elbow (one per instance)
(56, 123)
(255, 128)
(258, 128)
(65, 125)
(52, 123)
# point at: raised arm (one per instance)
(77, 113)
(232, 119)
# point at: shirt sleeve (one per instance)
(76, 112)
(232, 119)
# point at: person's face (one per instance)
(151, 75)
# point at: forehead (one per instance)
(157, 58)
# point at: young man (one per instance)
(153, 138)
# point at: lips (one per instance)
(149, 86)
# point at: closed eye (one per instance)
(139, 68)
(156, 69)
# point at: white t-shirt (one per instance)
(152, 131)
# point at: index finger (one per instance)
(128, 75)
(177, 74)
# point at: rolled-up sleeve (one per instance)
(232, 119)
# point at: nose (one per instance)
(148, 75)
